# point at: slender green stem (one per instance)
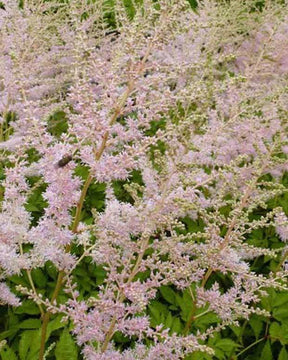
(191, 318)
(143, 247)
(117, 111)
(240, 336)
(80, 204)
(45, 321)
(250, 346)
(233, 222)
(61, 275)
(109, 335)
(284, 257)
(110, 332)
(77, 218)
(201, 314)
(46, 317)
(28, 272)
(206, 277)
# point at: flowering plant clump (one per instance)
(144, 156)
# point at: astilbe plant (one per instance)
(195, 103)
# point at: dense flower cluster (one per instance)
(217, 95)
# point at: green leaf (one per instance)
(267, 352)
(7, 353)
(55, 324)
(281, 314)
(219, 354)
(279, 332)
(275, 330)
(51, 270)
(236, 330)
(57, 123)
(176, 326)
(118, 337)
(187, 298)
(283, 355)
(193, 4)
(31, 207)
(34, 345)
(185, 304)
(9, 332)
(226, 345)
(168, 294)
(198, 355)
(80, 272)
(30, 324)
(27, 307)
(39, 278)
(169, 320)
(181, 302)
(66, 348)
(256, 325)
(208, 319)
(86, 285)
(158, 313)
(25, 343)
(19, 280)
(280, 299)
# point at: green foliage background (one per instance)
(256, 338)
